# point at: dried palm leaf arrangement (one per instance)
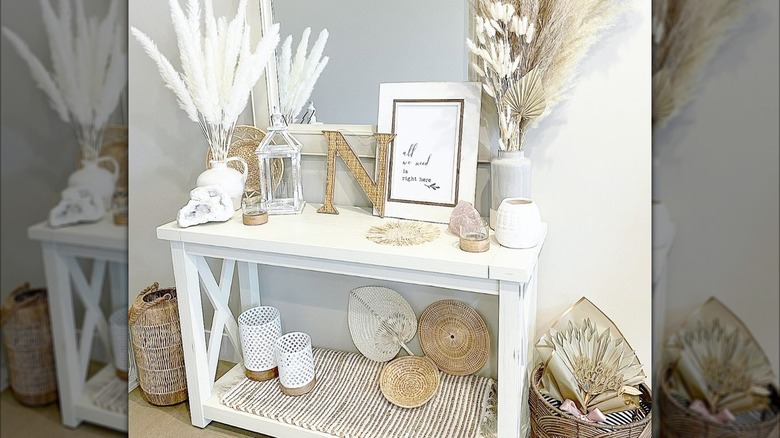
(402, 233)
(591, 368)
(717, 369)
(686, 33)
(381, 322)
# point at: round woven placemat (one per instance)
(455, 337)
(409, 381)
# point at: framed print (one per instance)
(432, 162)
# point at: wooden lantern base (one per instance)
(474, 245)
(261, 376)
(255, 219)
(299, 391)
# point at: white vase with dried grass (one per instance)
(526, 51)
(89, 73)
(219, 70)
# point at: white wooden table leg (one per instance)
(193, 333)
(249, 284)
(69, 379)
(510, 354)
(118, 277)
(528, 306)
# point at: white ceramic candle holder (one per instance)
(259, 328)
(118, 323)
(518, 223)
(297, 375)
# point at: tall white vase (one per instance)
(231, 180)
(510, 177)
(100, 180)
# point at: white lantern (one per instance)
(279, 158)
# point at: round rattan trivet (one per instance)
(454, 337)
(409, 381)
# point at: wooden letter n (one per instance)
(375, 189)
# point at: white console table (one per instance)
(337, 244)
(105, 245)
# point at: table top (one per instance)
(103, 234)
(341, 238)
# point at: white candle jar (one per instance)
(297, 374)
(259, 328)
(518, 223)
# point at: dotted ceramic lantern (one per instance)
(296, 363)
(279, 159)
(259, 328)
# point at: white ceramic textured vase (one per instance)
(231, 180)
(99, 179)
(518, 223)
(510, 177)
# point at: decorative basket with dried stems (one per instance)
(717, 381)
(548, 421)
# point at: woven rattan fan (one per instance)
(455, 337)
(381, 322)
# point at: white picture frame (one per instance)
(432, 162)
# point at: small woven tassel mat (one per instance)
(347, 403)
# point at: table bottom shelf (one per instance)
(347, 401)
(104, 400)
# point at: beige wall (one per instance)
(591, 179)
(717, 173)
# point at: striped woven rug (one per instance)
(347, 403)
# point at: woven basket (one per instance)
(28, 346)
(681, 422)
(454, 337)
(157, 346)
(409, 381)
(547, 421)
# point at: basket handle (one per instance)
(140, 305)
(9, 305)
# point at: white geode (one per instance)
(78, 204)
(207, 204)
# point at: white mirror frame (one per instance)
(311, 135)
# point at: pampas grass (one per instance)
(544, 38)
(297, 76)
(686, 33)
(89, 68)
(218, 66)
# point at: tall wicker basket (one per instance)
(681, 422)
(28, 346)
(157, 346)
(547, 421)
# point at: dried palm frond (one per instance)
(686, 33)
(593, 369)
(721, 366)
(516, 37)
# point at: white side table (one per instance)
(105, 245)
(337, 244)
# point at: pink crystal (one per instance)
(464, 214)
